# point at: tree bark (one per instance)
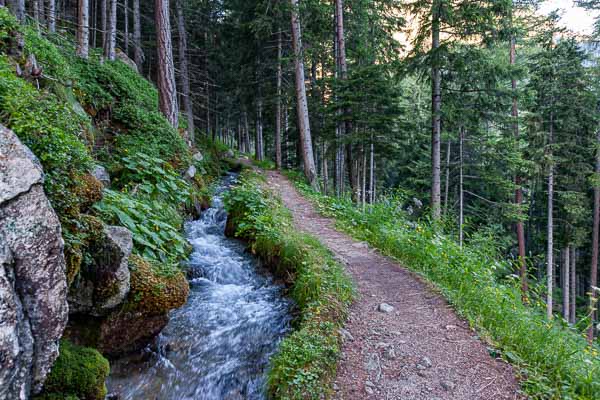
(17, 7)
(35, 7)
(342, 127)
(51, 14)
(595, 237)
(126, 26)
(184, 71)
(302, 103)
(461, 214)
(167, 89)
(572, 286)
(246, 133)
(111, 36)
(258, 146)
(566, 291)
(137, 36)
(372, 173)
(104, 21)
(278, 111)
(83, 29)
(436, 100)
(550, 225)
(447, 186)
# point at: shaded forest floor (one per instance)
(402, 340)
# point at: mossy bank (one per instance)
(304, 366)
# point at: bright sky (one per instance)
(574, 18)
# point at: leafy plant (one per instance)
(155, 224)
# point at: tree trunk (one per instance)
(342, 127)
(572, 286)
(520, 229)
(111, 36)
(246, 134)
(436, 100)
(278, 111)
(184, 71)
(447, 186)
(240, 141)
(36, 10)
(17, 7)
(461, 196)
(566, 292)
(364, 177)
(83, 29)
(104, 21)
(550, 225)
(372, 173)
(595, 234)
(137, 35)
(302, 104)
(258, 146)
(126, 26)
(167, 89)
(325, 169)
(51, 14)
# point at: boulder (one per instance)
(228, 154)
(125, 58)
(33, 285)
(103, 283)
(198, 157)
(100, 173)
(139, 319)
(191, 172)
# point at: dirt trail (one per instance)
(419, 350)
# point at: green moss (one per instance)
(153, 292)
(79, 372)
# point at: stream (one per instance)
(218, 345)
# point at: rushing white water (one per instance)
(218, 345)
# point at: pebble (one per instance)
(346, 335)
(451, 327)
(447, 385)
(424, 363)
(385, 308)
(369, 390)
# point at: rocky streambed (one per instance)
(218, 345)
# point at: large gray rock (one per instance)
(100, 173)
(104, 282)
(33, 285)
(125, 58)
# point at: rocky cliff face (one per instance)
(33, 286)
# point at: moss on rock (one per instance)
(89, 191)
(78, 373)
(154, 293)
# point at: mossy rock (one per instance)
(73, 258)
(78, 373)
(89, 191)
(154, 293)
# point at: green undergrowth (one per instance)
(78, 114)
(305, 363)
(553, 360)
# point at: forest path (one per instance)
(419, 350)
